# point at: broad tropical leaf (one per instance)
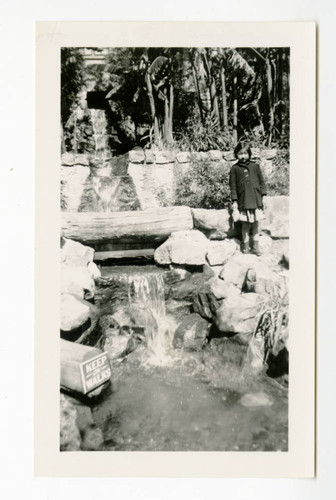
(157, 64)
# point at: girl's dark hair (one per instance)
(242, 145)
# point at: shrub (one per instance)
(204, 185)
(277, 183)
(198, 137)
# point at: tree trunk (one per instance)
(212, 86)
(235, 110)
(171, 110)
(151, 226)
(269, 84)
(152, 107)
(199, 100)
(280, 89)
(224, 103)
(166, 118)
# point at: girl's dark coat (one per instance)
(247, 185)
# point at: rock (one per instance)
(229, 156)
(70, 439)
(215, 155)
(183, 247)
(176, 274)
(149, 157)
(238, 313)
(254, 399)
(92, 438)
(162, 157)
(208, 298)
(77, 281)
(177, 309)
(183, 157)
(74, 312)
(234, 271)
(276, 220)
(250, 274)
(74, 253)
(93, 270)
(118, 346)
(135, 319)
(219, 252)
(68, 160)
(269, 154)
(191, 334)
(136, 156)
(215, 224)
(265, 243)
(109, 325)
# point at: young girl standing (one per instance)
(247, 191)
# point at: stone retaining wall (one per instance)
(140, 180)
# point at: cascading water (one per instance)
(99, 125)
(144, 291)
(148, 290)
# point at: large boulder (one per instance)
(265, 244)
(74, 312)
(77, 281)
(276, 220)
(219, 252)
(239, 313)
(234, 271)
(192, 333)
(117, 331)
(250, 274)
(74, 253)
(78, 271)
(209, 297)
(119, 346)
(215, 224)
(183, 247)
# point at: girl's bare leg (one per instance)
(255, 237)
(245, 236)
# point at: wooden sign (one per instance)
(95, 371)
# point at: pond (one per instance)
(166, 399)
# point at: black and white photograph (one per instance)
(174, 192)
(177, 216)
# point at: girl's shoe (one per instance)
(245, 248)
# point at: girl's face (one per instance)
(243, 155)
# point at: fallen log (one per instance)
(152, 225)
(84, 369)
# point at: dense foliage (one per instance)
(186, 98)
(206, 185)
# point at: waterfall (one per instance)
(148, 290)
(99, 125)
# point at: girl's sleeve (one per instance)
(261, 181)
(233, 185)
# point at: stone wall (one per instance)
(138, 180)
